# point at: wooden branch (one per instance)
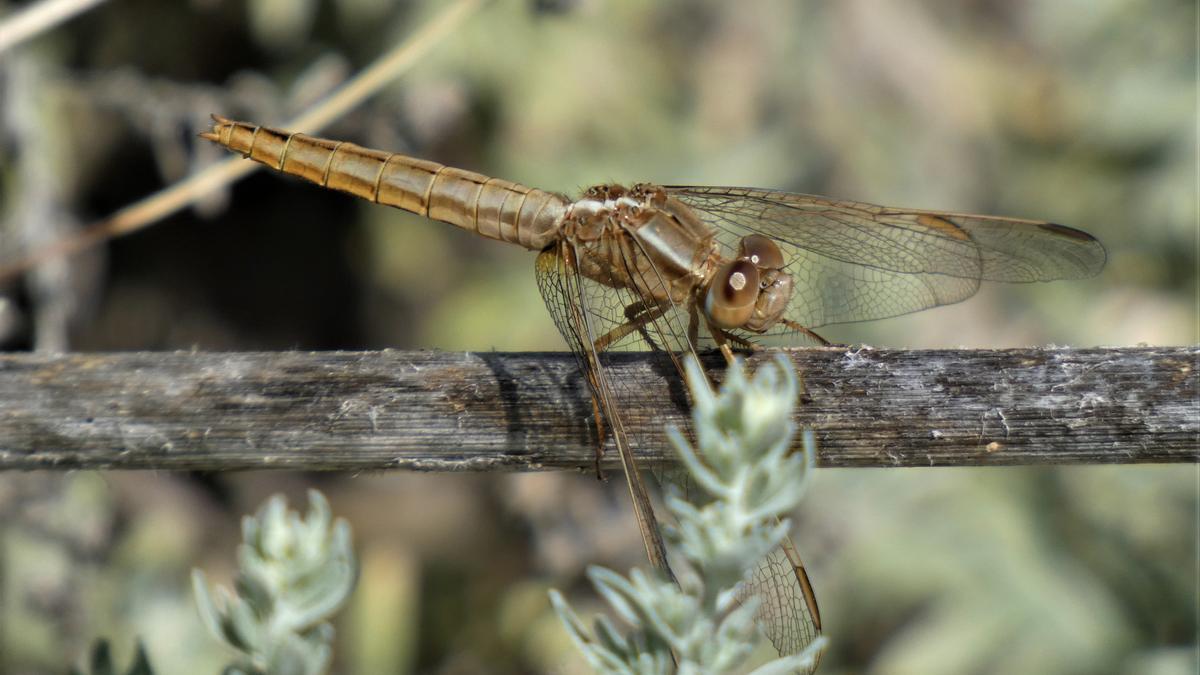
(491, 411)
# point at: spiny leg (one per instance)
(694, 325)
(600, 430)
(741, 342)
(723, 337)
(604, 342)
(639, 317)
(723, 345)
(801, 329)
(635, 310)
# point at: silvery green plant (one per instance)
(293, 574)
(744, 466)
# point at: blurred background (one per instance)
(1077, 112)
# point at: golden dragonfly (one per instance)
(681, 268)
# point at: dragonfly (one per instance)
(678, 269)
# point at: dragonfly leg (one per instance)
(605, 341)
(599, 417)
(637, 310)
(741, 342)
(639, 317)
(727, 353)
(723, 338)
(600, 434)
(801, 329)
(693, 326)
(632, 312)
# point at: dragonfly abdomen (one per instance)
(492, 207)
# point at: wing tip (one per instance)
(1099, 255)
(1067, 231)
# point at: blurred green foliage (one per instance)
(1077, 112)
(294, 574)
(101, 662)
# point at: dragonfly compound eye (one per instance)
(732, 294)
(761, 251)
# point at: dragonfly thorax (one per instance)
(641, 239)
(603, 210)
(637, 238)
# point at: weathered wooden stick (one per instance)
(434, 411)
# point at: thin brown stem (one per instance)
(146, 212)
(38, 18)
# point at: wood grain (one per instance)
(433, 411)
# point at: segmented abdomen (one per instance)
(494, 208)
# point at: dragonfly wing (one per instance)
(787, 611)
(859, 262)
(586, 312)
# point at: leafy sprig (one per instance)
(744, 464)
(293, 574)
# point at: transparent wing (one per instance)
(787, 613)
(589, 313)
(859, 262)
(581, 313)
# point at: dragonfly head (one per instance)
(774, 285)
(775, 290)
(752, 291)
